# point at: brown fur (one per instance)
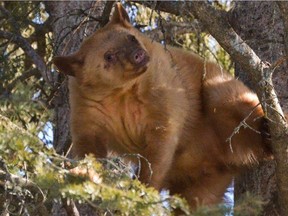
(170, 106)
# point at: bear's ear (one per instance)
(120, 15)
(68, 65)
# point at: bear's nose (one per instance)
(138, 56)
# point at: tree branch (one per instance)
(27, 48)
(173, 29)
(106, 13)
(10, 18)
(174, 7)
(70, 207)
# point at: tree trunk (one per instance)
(261, 26)
(70, 25)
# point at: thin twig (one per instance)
(70, 207)
(243, 124)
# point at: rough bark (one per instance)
(283, 6)
(252, 20)
(72, 21)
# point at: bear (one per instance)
(132, 95)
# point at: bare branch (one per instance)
(243, 124)
(23, 43)
(10, 18)
(173, 7)
(106, 13)
(70, 207)
(175, 29)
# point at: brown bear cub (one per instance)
(130, 94)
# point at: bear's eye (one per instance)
(110, 57)
(132, 38)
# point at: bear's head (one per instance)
(112, 56)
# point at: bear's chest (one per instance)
(125, 121)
